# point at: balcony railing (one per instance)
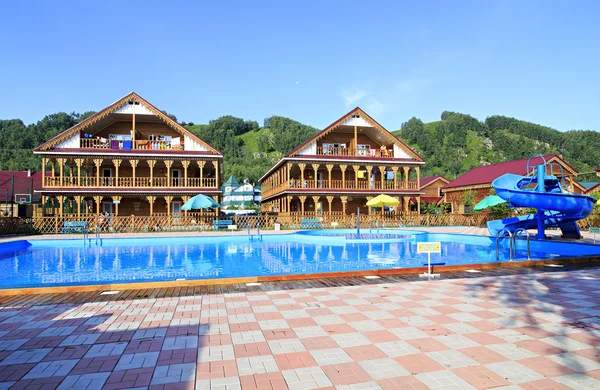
(99, 143)
(331, 151)
(348, 184)
(126, 182)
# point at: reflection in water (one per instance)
(56, 262)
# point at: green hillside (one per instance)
(460, 142)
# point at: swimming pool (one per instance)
(46, 263)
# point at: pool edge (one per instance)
(274, 278)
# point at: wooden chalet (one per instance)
(431, 187)
(128, 159)
(339, 169)
(479, 180)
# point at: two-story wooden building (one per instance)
(128, 159)
(340, 168)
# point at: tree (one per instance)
(172, 116)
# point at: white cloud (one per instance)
(374, 107)
(297, 82)
(352, 96)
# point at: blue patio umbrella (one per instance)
(488, 202)
(200, 202)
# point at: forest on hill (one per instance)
(451, 146)
(459, 142)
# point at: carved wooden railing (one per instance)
(92, 181)
(331, 151)
(348, 184)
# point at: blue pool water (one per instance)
(38, 263)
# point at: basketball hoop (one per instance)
(23, 198)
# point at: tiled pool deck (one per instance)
(525, 329)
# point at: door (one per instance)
(176, 207)
(176, 179)
(107, 177)
(319, 180)
(107, 207)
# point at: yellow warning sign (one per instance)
(429, 247)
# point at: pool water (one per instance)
(38, 263)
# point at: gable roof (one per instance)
(488, 173)
(593, 188)
(84, 124)
(425, 181)
(344, 118)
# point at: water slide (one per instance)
(557, 208)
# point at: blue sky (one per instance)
(308, 60)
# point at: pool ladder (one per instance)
(258, 235)
(510, 249)
(514, 239)
(88, 240)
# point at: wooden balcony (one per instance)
(351, 152)
(376, 185)
(97, 143)
(128, 182)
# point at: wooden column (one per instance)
(151, 164)
(315, 201)
(369, 207)
(382, 172)
(289, 168)
(329, 200)
(395, 169)
(78, 199)
(201, 165)
(217, 173)
(216, 198)
(344, 201)
(117, 163)
(355, 167)
(406, 202)
(118, 199)
(60, 205)
(369, 170)
(168, 164)
(398, 208)
(185, 164)
(329, 168)
(44, 162)
(302, 166)
(315, 168)
(418, 205)
(355, 141)
(185, 198)
(98, 162)
(133, 128)
(134, 164)
(406, 169)
(61, 167)
(151, 199)
(302, 199)
(70, 172)
(98, 200)
(343, 168)
(79, 162)
(168, 199)
(289, 201)
(418, 169)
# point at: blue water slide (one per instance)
(560, 209)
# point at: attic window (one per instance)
(356, 116)
(131, 102)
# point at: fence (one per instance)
(200, 222)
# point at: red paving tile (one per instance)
(124, 379)
(322, 342)
(543, 384)
(216, 369)
(295, 360)
(418, 363)
(252, 349)
(428, 345)
(380, 336)
(539, 347)
(483, 355)
(546, 367)
(338, 328)
(177, 356)
(279, 334)
(484, 338)
(481, 377)
(402, 383)
(244, 327)
(346, 374)
(365, 352)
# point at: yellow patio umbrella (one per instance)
(382, 201)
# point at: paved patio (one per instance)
(537, 330)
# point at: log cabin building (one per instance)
(340, 168)
(479, 180)
(431, 187)
(128, 159)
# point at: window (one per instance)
(362, 149)
(120, 137)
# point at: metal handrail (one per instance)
(510, 249)
(514, 239)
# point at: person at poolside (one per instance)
(101, 221)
